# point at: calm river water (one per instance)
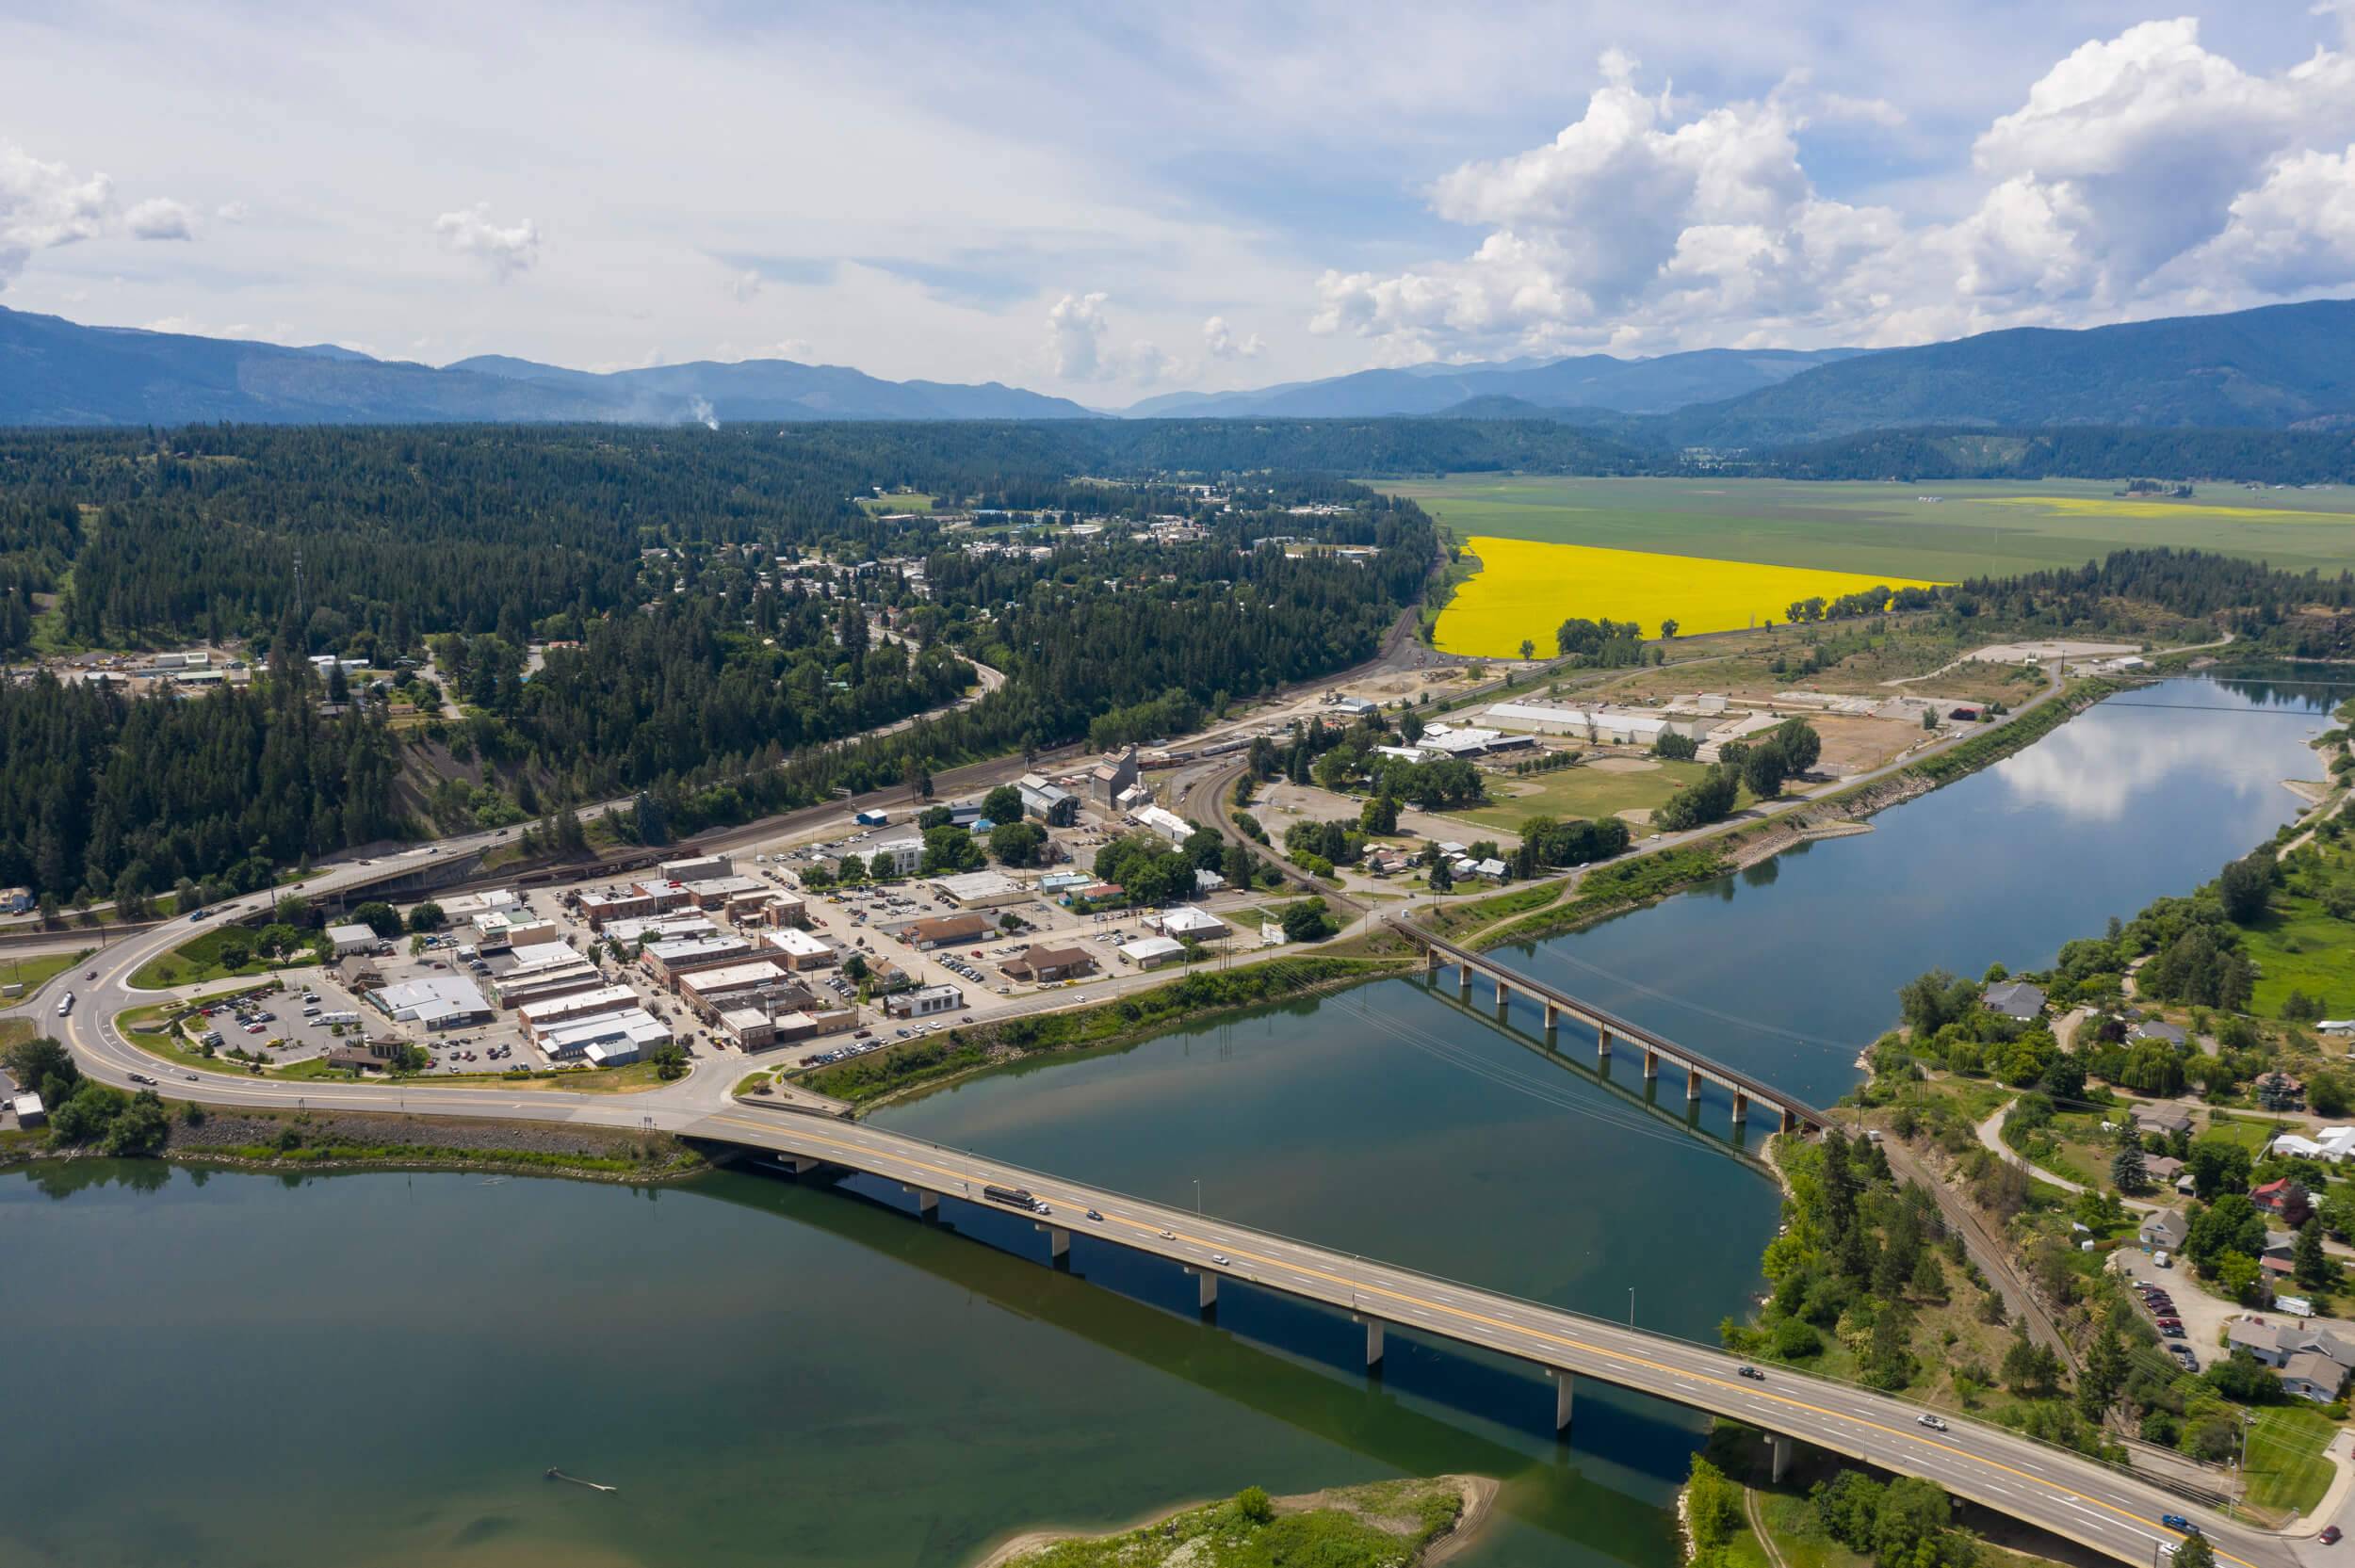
(241, 1369)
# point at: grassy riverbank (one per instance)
(1385, 1525)
(866, 1080)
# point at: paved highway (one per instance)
(2095, 1504)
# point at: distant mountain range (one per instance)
(2277, 367)
(57, 372)
(1586, 383)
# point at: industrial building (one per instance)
(980, 889)
(1191, 924)
(1164, 822)
(441, 1002)
(896, 857)
(346, 940)
(1613, 726)
(1048, 802)
(699, 868)
(1151, 952)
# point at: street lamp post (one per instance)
(1197, 1196)
(1630, 1306)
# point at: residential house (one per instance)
(2312, 1375)
(2164, 1231)
(2163, 1170)
(2015, 1000)
(2285, 1198)
(2260, 1340)
(2168, 1120)
(2157, 1029)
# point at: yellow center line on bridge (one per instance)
(1506, 1325)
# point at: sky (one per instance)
(1110, 203)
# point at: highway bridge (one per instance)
(2104, 1508)
(1438, 953)
(2107, 1508)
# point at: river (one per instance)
(235, 1369)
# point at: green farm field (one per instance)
(1976, 528)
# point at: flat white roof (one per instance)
(692, 947)
(438, 995)
(1151, 947)
(353, 933)
(1188, 918)
(796, 942)
(541, 955)
(607, 997)
(977, 884)
(736, 976)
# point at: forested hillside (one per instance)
(709, 604)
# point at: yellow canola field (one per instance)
(1524, 590)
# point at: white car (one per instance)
(1221, 1258)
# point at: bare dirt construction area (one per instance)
(1859, 745)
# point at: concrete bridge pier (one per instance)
(1058, 1242)
(1564, 1386)
(1602, 1042)
(1741, 1107)
(1431, 960)
(1373, 1338)
(1463, 980)
(1651, 1064)
(1779, 1446)
(1206, 1299)
(927, 1201)
(1505, 995)
(1790, 1121)
(1553, 1019)
(1692, 1083)
(800, 1165)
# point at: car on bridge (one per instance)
(1932, 1422)
(1750, 1372)
(2177, 1522)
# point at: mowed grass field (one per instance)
(1889, 531)
(1582, 791)
(1523, 591)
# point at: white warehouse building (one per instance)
(1617, 726)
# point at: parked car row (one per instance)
(2161, 1306)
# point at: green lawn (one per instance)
(1979, 528)
(32, 973)
(2286, 1466)
(199, 959)
(1580, 791)
(905, 500)
(2299, 947)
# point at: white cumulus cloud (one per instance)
(2139, 169)
(1220, 342)
(507, 249)
(160, 218)
(43, 206)
(1079, 347)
